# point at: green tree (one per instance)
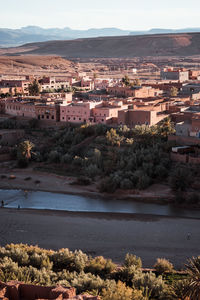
(113, 138)
(166, 127)
(180, 178)
(126, 81)
(34, 88)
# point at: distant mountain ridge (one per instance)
(163, 30)
(32, 34)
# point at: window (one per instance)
(47, 117)
(52, 117)
(42, 116)
(74, 118)
(69, 118)
(63, 118)
(79, 119)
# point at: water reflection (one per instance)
(45, 200)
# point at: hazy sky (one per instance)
(83, 14)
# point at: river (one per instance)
(66, 202)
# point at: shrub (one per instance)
(54, 156)
(107, 185)
(126, 274)
(82, 180)
(100, 266)
(163, 265)
(118, 291)
(77, 161)
(22, 163)
(180, 178)
(33, 123)
(126, 184)
(86, 282)
(143, 181)
(132, 260)
(66, 158)
(194, 198)
(179, 197)
(92, 171)
(152, 286)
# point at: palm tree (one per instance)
(25, 150)
(193, 288)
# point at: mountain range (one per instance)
(31, 34)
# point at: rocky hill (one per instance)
(183, 44)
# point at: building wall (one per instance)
(175, 75)
(195, 125)
(79, 113)
(103, 114)
(139, 117)
(142, 92)
(20, 109)
(183, 129)
(47, 112)
(183, 140)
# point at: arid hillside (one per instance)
(186, 44)
(29, 64)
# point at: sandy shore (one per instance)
(110, 235)
(62, 184)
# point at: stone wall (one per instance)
(184, 140)
(179, 157)
(15, 290)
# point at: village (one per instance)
(89, 99)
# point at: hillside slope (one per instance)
(124, 46)
(28, 64)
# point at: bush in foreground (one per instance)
(163, 265)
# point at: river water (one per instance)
(53, 201)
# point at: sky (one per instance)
(84, 14)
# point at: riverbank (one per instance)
(29, 179)
(110, 235)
